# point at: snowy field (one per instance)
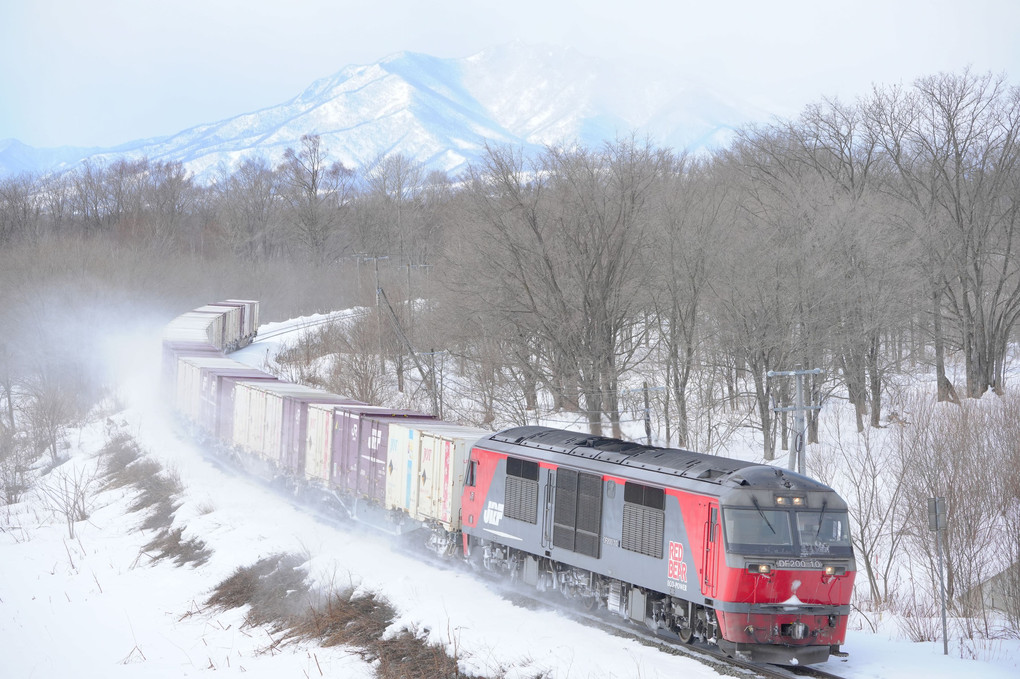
(95, 606)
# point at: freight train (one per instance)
(753, 558)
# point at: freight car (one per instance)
(753, 558)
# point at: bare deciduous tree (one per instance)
(68, 491)
(248, 201)
(19, 208)
(953, 144)
(49, 409)
(693, 211)
(565, 247)
(318, 193)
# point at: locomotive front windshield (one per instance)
(764, 531)
(823, 533)
(782, 531)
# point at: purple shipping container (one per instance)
(360, 442)
(215, 387)
(294, 435)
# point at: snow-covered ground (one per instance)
(95, 606)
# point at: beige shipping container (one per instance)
(444, 455)
(320, 442)
(254, 418)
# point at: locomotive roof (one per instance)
(673, 462)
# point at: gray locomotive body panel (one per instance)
(613, 559)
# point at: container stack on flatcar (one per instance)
(753, 558)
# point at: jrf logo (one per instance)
(493, 513)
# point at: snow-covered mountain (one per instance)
(442, 112)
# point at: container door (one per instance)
(424, 474)
(402, 468)
(345, 437)
(378, 480)
(371, 458)
(319, 444)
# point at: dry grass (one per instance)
(278, 594)
(119, 452)
(170, 544)
(274, 587)
(124, 466)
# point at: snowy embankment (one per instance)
(97, 606)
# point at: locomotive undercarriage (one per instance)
(688, 621)
(441, 541)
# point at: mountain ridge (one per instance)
(439, 111)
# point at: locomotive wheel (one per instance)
(686, 630)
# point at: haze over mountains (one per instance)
(441, 112)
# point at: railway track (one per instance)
(326, 320)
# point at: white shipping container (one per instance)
(190, 327)
(402, 467)
(228, 324)
(250, 422)
(426, 468)
(192, 391)
(251, 315)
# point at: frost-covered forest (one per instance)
(873, 240)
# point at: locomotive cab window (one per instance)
(521, 496)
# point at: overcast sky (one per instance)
(103, 72)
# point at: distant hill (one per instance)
(442, 112)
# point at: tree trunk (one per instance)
(946, 391)
(875, 380)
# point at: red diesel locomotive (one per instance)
(751, 557)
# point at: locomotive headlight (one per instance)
(782, 501)
(798, 501)
(830, 570)
(762, 568)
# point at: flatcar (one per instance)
(753, 558)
